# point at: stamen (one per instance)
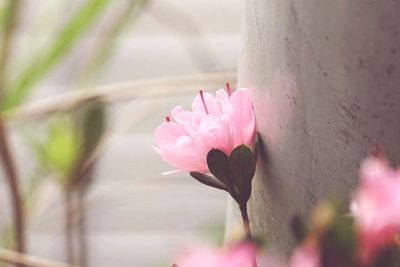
(204, 102)
(167, 118)
(228, 88)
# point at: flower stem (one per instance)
(246, 226)
(245, 219)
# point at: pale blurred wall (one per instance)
(172, 37)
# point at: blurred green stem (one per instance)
(69, 219)
(13, 182)
(8, 25)
(47, 58)
(82, 233)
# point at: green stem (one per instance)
(246, 225)
(82, 233)
(8, 29)
(13, 183)
(69, 218)
(245, 219)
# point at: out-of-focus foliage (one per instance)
(92, 128)
(48, 57)
(68, 151)
(60, 150)
(71, 142)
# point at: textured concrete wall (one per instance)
(326, 82)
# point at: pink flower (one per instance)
(305, 256)
(376, 205)
(239, 256)
(223, 121)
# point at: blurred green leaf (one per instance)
(61, 149)
(339, 242)
(4, 13)
(8, 13)
(47, 59)
(94, 126)
(8, 17)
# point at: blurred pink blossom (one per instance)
(240, 256)
(305, 256)
(376, 205)
(223, 121)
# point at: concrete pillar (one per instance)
(325, 77)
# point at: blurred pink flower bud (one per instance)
(376, 205)
(223, 121)
(305, 256)
(240, 256)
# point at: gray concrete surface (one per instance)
(325, 78)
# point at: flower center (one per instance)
(167, 118)
(204, 102)
(228, 89)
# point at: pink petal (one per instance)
(188, 120)
(167, 133)
(377, 203)
(305, 256)
(243, 117)
(183, 157)
(213, 106)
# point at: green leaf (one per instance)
(61, 150)
(339, 243)
(94, 126)
(42, 64)
(242, 166)
(218, 164)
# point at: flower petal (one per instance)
(243, 117)
(167, 133)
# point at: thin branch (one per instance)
(13, 182)
(83, 259)
(69, 231)
(13, 257)
(119, 92)
(5, 151)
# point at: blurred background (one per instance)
(84, 84)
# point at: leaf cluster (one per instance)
(233, 173)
